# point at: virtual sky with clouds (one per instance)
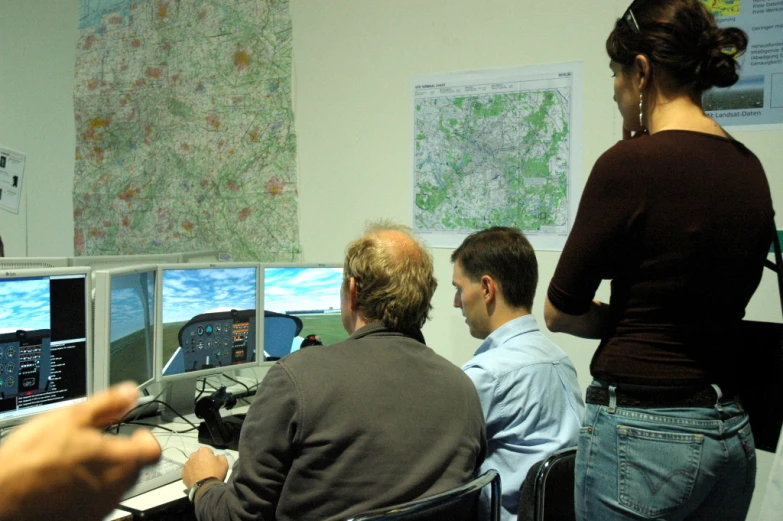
(25, 304)
(298, 288)
(127, 304)
(191, 292)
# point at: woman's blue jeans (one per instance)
(665, 464)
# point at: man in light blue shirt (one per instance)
(530, 396)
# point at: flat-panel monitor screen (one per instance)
(300, 301)
(207, 318)
(124, 337)
(45, 347)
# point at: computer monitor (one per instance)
(124, 318)
(207, 319)
(97, 262)
(45, 347)
(24, 263)
(300, 300)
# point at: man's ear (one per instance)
(489, 288)
(352, 294)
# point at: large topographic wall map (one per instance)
(497, 147)
(184, 129)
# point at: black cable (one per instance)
(122, 422)
(172, 409)
(239, 382)
(127, 414)
(203, 388)
(154, 426)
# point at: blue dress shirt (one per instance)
(531, 401)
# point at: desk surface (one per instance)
(119, 515)
(177, 445)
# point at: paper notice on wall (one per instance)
(11, 173)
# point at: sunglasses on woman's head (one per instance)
(630, 19)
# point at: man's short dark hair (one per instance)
(506, 255)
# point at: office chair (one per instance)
(458, 504)
(547, 494)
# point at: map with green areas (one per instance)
(723, 7)
(492, 153)
(184, 129)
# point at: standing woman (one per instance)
(680, 219)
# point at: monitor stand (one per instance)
(180, 395)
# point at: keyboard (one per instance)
(163, 472)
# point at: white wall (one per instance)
(353, 65)
(37, 57)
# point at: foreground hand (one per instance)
(61, 466)
(204, 464)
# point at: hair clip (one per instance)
(729, 51)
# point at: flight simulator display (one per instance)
(44, 341)
(208, 318)
(125, 325)
(301, 301)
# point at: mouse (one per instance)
(228, 455)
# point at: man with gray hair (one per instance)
(376, 420)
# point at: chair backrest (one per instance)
(547, 493)
(458, 504)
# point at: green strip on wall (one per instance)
(780, 239)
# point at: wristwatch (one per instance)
(197, 485)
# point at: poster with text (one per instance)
(755, 102)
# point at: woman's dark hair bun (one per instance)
(719, 49)
(681, 39)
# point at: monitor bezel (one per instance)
(159, 376)
(102, 285)
(265, 265)
(105, 262)
(59, 272)
(33, 263)
(198, 256)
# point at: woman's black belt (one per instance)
(652, 398)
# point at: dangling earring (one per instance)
(641, 110)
